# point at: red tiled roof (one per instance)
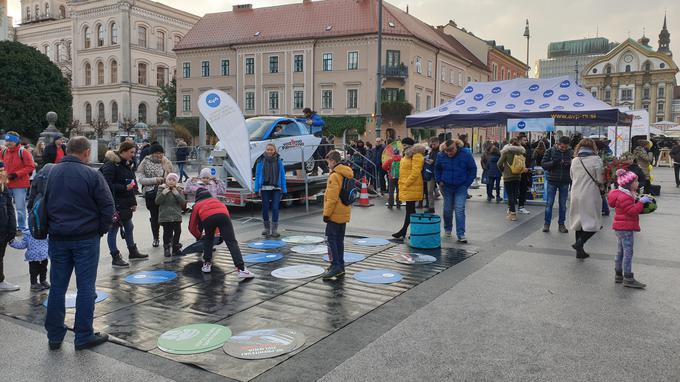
(310, 20)
(463, 51)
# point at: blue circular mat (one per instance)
(378, 276)
(371, 242)
(266, 244)
(150, 277)
(262, 257)
(350, 257)
(70, 299)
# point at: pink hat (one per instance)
(625, 178)
(173, 176)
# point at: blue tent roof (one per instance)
(492, 103)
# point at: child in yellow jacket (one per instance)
(336, 215)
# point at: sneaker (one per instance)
(546, 227)
(333, 273)
(462, 240)
(245, 274)
(99, 338)
(36, 287)
(563, 229)
(447, 234)
(523, 211)
(45, 285)
(407, 259)
(7, 287)
(207, 267)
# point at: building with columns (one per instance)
(115, 52)
(6, 27)
(635, 75)
(322, 54)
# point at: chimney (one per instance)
(242, 7)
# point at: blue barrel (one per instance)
(425, 231)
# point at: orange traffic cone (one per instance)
(363, 198)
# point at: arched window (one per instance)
(47, 10)
(100, 112)
(627, 68)
(141, 36)
(62, 12)
(608, 69)
(114, 72)
(114, 34)
(141, 73)
(28, 13)
(87, 37)
(100, 35)
(100, 73)
(114, 112)
(141, 115)
(648, 67)
(160, 75)
(37, 12)
(160, 43)
(88, 112)
(88, 74)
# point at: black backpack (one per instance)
(349, 192)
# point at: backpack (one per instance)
(21, 156)
(349, 192)
(518, 164)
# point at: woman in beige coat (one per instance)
(587, 176)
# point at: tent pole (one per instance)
(616, 138)
(630, 138)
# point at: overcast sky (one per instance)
(503, 21)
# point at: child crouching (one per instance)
(171, 203)
(36, 255)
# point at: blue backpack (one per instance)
(349, 192)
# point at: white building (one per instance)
(115, 52)
(6, 28)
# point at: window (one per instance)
(114, 34)
(160, 75)
(352, 98)
(648, 67)
(593, 92)
(250, 100)
(141, 36)
(292, 130)
(100, 112)
(608, 69)
(86, 37)
(460, 78)
(626, 94)
(327, 99)
(225, 67)
(273, 100)
(660, 107)
(352, 60)
(502, 74)
(28, 13)
(429, 68)
(417, 101)
(186, 102)
(114, 112)
(390, 95)
(141, 115)
(37, 12)
(393, 58)
(661, 92)
(298, 63)
(298, 99)
(62, 12)
(100, 35)
(428, 102)
(88, 113)
(141, 73)
(419, 65)
(494, 69)
(452, 77)
(273, 64)
(88, 74)
(100, 73)
(114, 72)
(645, 92)
(47, 10)
(627, 68)
(186, 70)
(443, 75)
(176, 39)
(205, 68)
(327, 62)
(160, 41)
(250, 65)
(607, 94)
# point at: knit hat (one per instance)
(205, 173)
(172, 175)
(156, 149)
(408, 141)
(625, 178)
(202, 193)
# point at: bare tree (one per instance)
(75, 128)
(99, 126)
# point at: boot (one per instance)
(563, 229)
(117, 260)
(177, 250)
(135, 255)
(333, 272)
(630, 282)
(618, 277)
(156, 243)
(267, 228)
(166, 250)
(512, 216)
(275, 227)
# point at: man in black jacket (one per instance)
(79, 208)
(557, 163)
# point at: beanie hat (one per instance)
(201, 194)
(205, 173)
(625, 178)
(172, 175)
(156, 149)
(408, 141)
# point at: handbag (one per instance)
(485, 176)
(600, 186)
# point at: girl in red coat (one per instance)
(209, 214)
(626, 222)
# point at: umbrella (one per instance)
(197, 247)
(390, 150)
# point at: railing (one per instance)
(395, 71)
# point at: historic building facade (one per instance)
(115, 52)
(327, 62)
(635, 75)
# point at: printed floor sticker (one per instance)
(194, 339)
(264, 343)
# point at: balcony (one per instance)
(395, 71)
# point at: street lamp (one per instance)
(527, 35)
(378, 79)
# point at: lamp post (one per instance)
(378, 79)
(527, 35)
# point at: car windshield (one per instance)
(257, 128)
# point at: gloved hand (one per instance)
(645, 199)
(12, 176)
(326, 219)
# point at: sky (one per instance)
(503, 20)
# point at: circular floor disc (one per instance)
(266, 244)
(350, 257)
(262, 257)
(310, 249)
(264, 343)
(298, 271)
(378, 276)
(70, 299)
(417, 257)
(371, 242)
(194, 339)
(150, 277)
(304, 239)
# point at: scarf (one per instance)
(270, 170)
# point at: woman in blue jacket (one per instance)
(270, 183)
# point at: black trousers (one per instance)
(676, 168)
(223, 222)
(153, 210)
(512, 189)
(3, 247)
(524, 182)
(38, 269)
(410, 209)
(171, 234)
(583, 236)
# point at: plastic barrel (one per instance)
(425, 231)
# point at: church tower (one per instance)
(664, 39)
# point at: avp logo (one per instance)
(544, 106)
(443, 109)
(510, 106)
(213, 171)
(491, 103)
(213, 100)
(515, 94)
(521, 125)
(496, 90)
(565, 84)
(578, 104)
(468, 89)
(529, 101)
(479, 96)
(580, 93)
(460, 102)
(564, 97)
(548, 93)
(472, 108)
(558, 108)
(533, 87)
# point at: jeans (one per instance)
(552, 189)
(172, 231)
(335, 236)
(454, 199)
(624, 254)
(223, 222)
(523, 189)
(83, 255)
(19, 195)
(182, 173)
(111, 238)
(492, 183)
(273, 197)
(512, 189)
